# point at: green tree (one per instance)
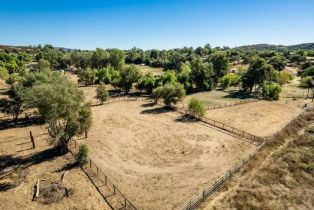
(307, 82)
(220, 62)
(184, 76)
(278, 62)
(61, 105)
(271, 90)
(116, 59)
(147, 83)
(88, 76)
(258, 72)
(170, 93)
(230, 80)
(168, 77)
(197, 107)
(101, 93)
(99, 58)
(14, 104)
(308, 72)
(43, 65)
(4, 74)
(201, 74)
(128, 76)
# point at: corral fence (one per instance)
(124, 203)
(219, 106)
(233, 130)
(197, 200)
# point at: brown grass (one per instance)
(261, 118)
(17, 181)
(280, 178)
(156, 159)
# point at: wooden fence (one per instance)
(233, 130)
(124, 203)
(197, 200)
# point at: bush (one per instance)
(147, 83)
(229, 80)
(271, 90)
(4, 74)
(170, 93)
(81, 156)
(197, 107)
(308, 72)
(283, 77)
(101, 93)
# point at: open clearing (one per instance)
(155, 159)
(262, 118)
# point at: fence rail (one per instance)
(124, 202)
(236, 131)
(197, 200)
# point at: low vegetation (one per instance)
(197, 107)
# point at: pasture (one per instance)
(158, 159)
(262, 118)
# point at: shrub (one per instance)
(271, 90)
(81, 156)
(283, 77)
(197, 107)
(229, 80)
(308, 72)
(4, 74)
(147, 83)
(101, 93)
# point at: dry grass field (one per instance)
(281, 177)
(17, 186)
(156, 159)
(262, 118)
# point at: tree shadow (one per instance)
(68, 167)
(158, 110)
(186, 118)
(6, 186)
(238, 95)
(150, 104)
(21, 123)
(9, 161)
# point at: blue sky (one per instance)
(161, 24)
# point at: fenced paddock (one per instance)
(154, 156)
(262, 118)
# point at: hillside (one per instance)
(303, 46)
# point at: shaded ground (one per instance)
(156, 158)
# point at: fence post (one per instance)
(114, 189)
(32, 139)
(90, 163)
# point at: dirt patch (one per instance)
(261, 118)
(157, 160)
(17, 182)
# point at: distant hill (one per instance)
(304, 46)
